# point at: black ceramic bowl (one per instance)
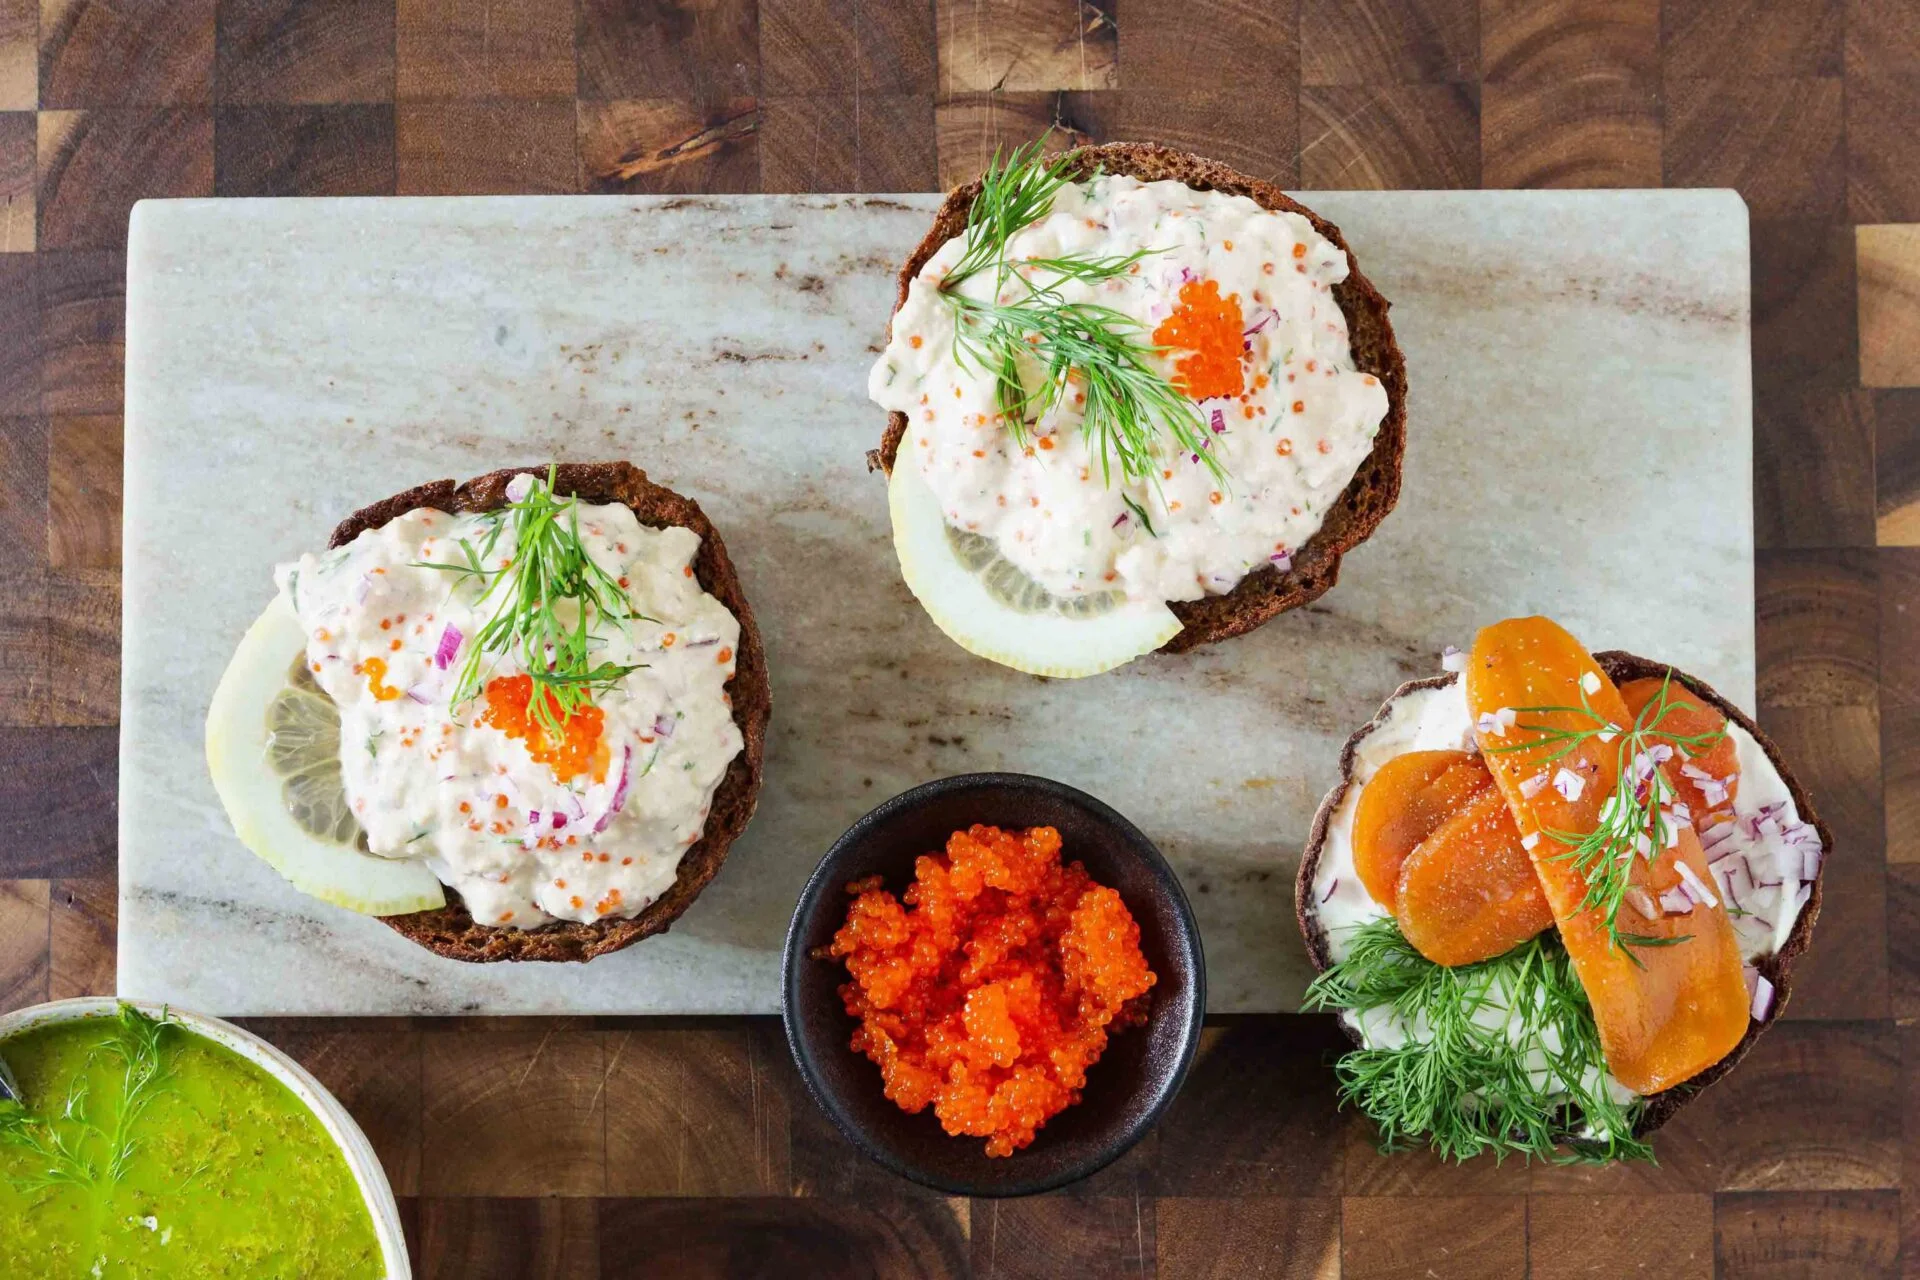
(1126, 1090)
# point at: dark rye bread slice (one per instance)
(1621, 667)
(450, 930)
(1375, 487)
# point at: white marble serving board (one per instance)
(1579, 436)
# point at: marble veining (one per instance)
(1580, 427)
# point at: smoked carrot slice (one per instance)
(1676, 1004)
(1709, 799)
(1401, 805)
(1469, 892)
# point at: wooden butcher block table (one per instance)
(287, 363)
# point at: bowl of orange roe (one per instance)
(993, 984)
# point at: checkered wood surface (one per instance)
(610, 1147)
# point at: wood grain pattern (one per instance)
(898, 1239)
(701, 51)
(671, 148)
(484, 148)
(472, 1239)
(1836, 753)
(304, 151)
(19, 139)
(83, 324)
(83, 496)
(1600, 129)
(19, 55)
(1529, 42)
(1767, 1236)
(838, 46)
(1257, 1114)
(1778, 142)
(1896, 468)
(515, 1113)
(1382, 42)
(1019, 46)
(94, 164)
(697, 1113)
(1238, 42)
(581, 1147)
(1809, 451)
(1045, 1236)
(1268, 1236)
(119, 53)
(1804, 330)
(59, 802)
(23, 496)
(1576, 1237)
(1381, 138)
(482, 50)
(1889, 274)
(1760, 37)
(305, 51)
(1457, 1238)
(23, 943)
(1881, 183)
(1817, 627)
(81, 948)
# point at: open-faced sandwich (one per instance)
(517, 719)
(1553, 896)
(1137, 400)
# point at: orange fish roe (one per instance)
(510, 710)
(375, 670)
(1210, 327)
(994, 988)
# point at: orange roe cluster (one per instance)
(1210, 328)
(993, 988)
(510, 710)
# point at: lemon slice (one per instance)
(273, 748)
(989, 607)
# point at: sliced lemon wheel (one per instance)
(990, 608)
(273, 748)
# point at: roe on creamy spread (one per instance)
(457, 787)
(1287, 437)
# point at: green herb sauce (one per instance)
(147, 1150)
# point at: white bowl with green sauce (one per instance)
(230, 1161)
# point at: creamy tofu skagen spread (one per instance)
(434, 782)
(1289, 443)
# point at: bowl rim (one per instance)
(823, 877)
(368, 1173)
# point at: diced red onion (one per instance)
(362, 588)
(1219, 420)
(1676, 902)
(1810, 859)
(1120, 520)
(1533, 786)
(1569, 784)
(619, 792)
(1642, 901)
(1281, 561)
(1762, 996)
(1261, 323)
(451, 638)
(1695, 886)
(1331, 886)
(1451, 659)
(663, 726)
(421, 693)
(519, 487)
(1529, 840)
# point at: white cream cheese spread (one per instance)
(1287, 440)
(1436, 719)
(449, 786)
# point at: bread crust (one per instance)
(1375, 487)
(1620, 666)
(450, 931)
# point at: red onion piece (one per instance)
(451, 639)
(1762, 996)
(1219, 420)
(1675, 901)
(663, 726)
(1331, 886)
(619, 792)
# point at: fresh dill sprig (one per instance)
(1636, 820)
(551, 592)
(1037, 345)
(1528, 1079)
(62, 1143)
